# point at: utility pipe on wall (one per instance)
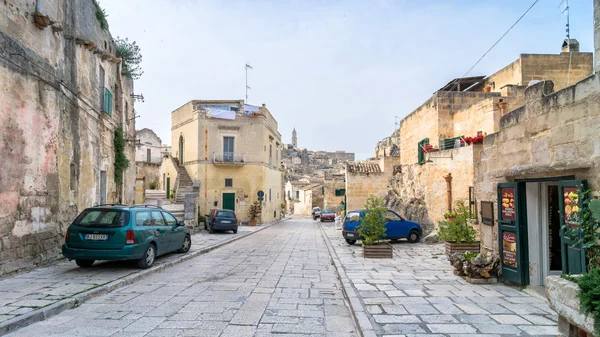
(449, 191)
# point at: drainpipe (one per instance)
(125, 128)
(449, 191)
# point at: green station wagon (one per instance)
(119, 232)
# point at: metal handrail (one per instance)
(229, 157)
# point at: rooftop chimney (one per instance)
(570, 45)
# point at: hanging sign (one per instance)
(571, 204)
(508, 203)
(509, 249)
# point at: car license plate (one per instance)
(350, 235)
(225, 221)
(96, 237)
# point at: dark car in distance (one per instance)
(221, 220)
(120, 232)
(316, 213)
(395, 227)
(327, 215)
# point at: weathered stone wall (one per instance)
(331, 201)
(563, 69)
(419, 192)
(151, 172)
(148, 141)
(553, 135)
(597, 36)
(54, 140)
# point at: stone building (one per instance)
(542, 152)
(232, 151)
(62, 97)
(334, 192)
(148, 157)
(433, 143)
(365, 179)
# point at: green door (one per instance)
(573, 256)
(229, 201)
(512, 232)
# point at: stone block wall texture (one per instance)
(148, 141)
(331, 201)
(596, 36)
(553, 135)
(53, 143)
(152, 173)
(419, 192)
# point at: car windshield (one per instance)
(225, 214)
(327, 212)
(102, 218)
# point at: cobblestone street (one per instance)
(279, 281)
(416, 294)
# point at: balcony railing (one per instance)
(229, 158)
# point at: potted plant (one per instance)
(458, 234)
(372, 230)
(576, 299)
(450, 216)
(255, 210)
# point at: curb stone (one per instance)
(75, 301)
(361, 320)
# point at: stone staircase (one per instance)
(153, 195)
(186, 186)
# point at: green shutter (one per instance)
(421, 154)
(107, 108)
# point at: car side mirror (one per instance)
(180, 223)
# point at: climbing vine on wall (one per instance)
(121, 161)
(101, 16)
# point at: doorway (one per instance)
(103, 187)
(543, 222)
(229, 201)
(181, 148)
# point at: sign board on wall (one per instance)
(508, 203)
(571, 205)
(509, 249)
(487, 213)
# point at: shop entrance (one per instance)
(531, 215)
(543, 229)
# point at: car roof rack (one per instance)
(144, 205)
(109, 205)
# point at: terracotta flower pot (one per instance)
(252, 222)
(487, 89)
(502, 106)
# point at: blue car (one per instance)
(395, 227)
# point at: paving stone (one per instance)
(421, 309)
(509, 319)
(540, 330)
(385, 319)
(403, 328)
(438, 319)
(497, 328)
(539, 320)
(476, 319)
(394, 309)
(451, 328)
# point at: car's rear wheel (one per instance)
(187, 244)
(235, 231)
(84, 263)
(350, 242)
(148, 259)
(413, 237)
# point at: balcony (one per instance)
(229, 158)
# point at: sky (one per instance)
(338, 71)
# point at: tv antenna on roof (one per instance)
(566, 12)
(247, 87)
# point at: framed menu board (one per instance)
(487, 213)
(508, 203)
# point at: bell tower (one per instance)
(294, 138)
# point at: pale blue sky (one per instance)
(340, 71)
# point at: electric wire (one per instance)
(492, 47)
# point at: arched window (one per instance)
(181, 147)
